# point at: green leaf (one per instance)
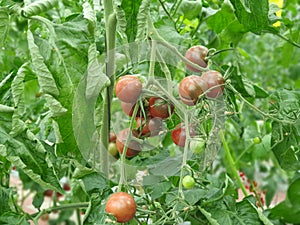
(94, 182)
(190, 9)
(11, 218)
(293, 193)
(285, 140)
(55, 106)
(96, 79)
(134, 17)
(167, 167)
(5, 198)
(4, 24)
(208, 216)
(27, 153)
(194, 195)
(142, 20)
(45, 77)
(286, 212)
(253, 15)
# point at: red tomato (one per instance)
(179, 134)
(190, 88)
(133, 147)
(128, 88)
(158, 107)
(215, 81)
(151, 127)
(122, 206)
(196, 54)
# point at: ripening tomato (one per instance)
(122, 206)
(112, 137)
(215, 82)
(151, 127)
(128, 108)
(197, 55)
(133, 147)
(179, 134)
(158, 107)
(128, 88)
(190, 88)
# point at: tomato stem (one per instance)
(154, 35)
(256, 109)
(232, 164)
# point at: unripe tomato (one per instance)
(197, 146)
(128, 88)
(133, 147)
(190, 88)
(158, 107)
(122, 206)
(151, 127)
(257, 140)
(197, 55)
(112, 148)
(179, 134)
(215, 81)
(188, 182)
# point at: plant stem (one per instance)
(288, 40)
(243, 153)
(36, 216)
(232, 164)
(256, 109)
(185, 153)
(110, 28)
(123, 155)
(152, 59)
(154, 35)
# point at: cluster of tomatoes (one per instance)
(150, 113)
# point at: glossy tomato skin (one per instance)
(128, 88)
(190, 88)
(122, 206)
(197, 55)
(151, 127)
(133, 147)
(158, 107)
(215, 81)
(179, 134)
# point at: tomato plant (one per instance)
(202, 95)
(122, 206)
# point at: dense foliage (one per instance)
(76, 129)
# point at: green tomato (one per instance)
(257, 140)
(112, 148)
(188, 182)
(197, 146)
